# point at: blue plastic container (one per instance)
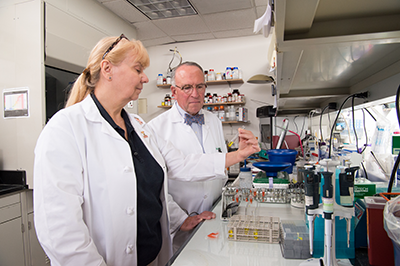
(283, 156)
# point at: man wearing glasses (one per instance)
(193, 131)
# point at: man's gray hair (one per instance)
(187, 63)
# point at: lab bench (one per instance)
(202, 250)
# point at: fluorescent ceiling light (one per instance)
(159, 9)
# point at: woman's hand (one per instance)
(192, 221)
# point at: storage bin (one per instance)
(380, 247)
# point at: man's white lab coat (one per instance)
(85, 188)
(197, 196)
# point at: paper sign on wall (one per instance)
(16, 102)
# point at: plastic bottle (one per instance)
(235, 73)
(228, 73)
(221, 113)
(168, 79)
(206, 75)
(232, 113)
(245, 178)
(211, 74)
(160, 79)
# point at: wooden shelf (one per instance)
(227, 103)
(213, 82)
(208, 104)
(164, 86)
(234, 122)
(225, 81)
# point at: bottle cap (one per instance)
(245, 169)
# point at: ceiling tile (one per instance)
(125, 10)
(182, 26)
(193, 37)
(233, 33)
(158, 41)
(147, 30)
(233, 20)
(212, 6)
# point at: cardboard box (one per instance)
(363, 189)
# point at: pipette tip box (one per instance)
(294, 241)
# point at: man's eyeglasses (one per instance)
(188, 89)
(114, 44)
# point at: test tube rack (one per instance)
(251, 228)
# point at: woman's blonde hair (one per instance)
(88, 79)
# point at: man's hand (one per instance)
(192, 221)
(248, 144)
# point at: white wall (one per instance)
(73, 27)
(248, 53)
(21, 65)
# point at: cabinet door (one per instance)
(11, 243)
(38, 257)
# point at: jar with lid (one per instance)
(167, 100)
(224, 99)
(160, 79)
(241, 98)
(218, 76)
(164, 81)
(211, 74)
(206, 97)
(205, 75)
(245, 178)
(221, 113)
(235, 95)
(215, 111)
(214, 97)
(168, 79)
(229, 97)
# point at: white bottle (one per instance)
(221, 113)
(228, 73)
(160, 79)
(245, 178)
(232, 113)
(211, 75)
(235, 73)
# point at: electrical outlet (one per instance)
(130, 104)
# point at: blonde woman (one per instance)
(100, 177)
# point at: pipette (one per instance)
(230, 143)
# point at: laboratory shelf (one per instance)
(213, 82)
(234, 122)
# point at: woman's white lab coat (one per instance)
(85, 188)
(192, 196)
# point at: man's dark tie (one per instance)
(199, 119)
